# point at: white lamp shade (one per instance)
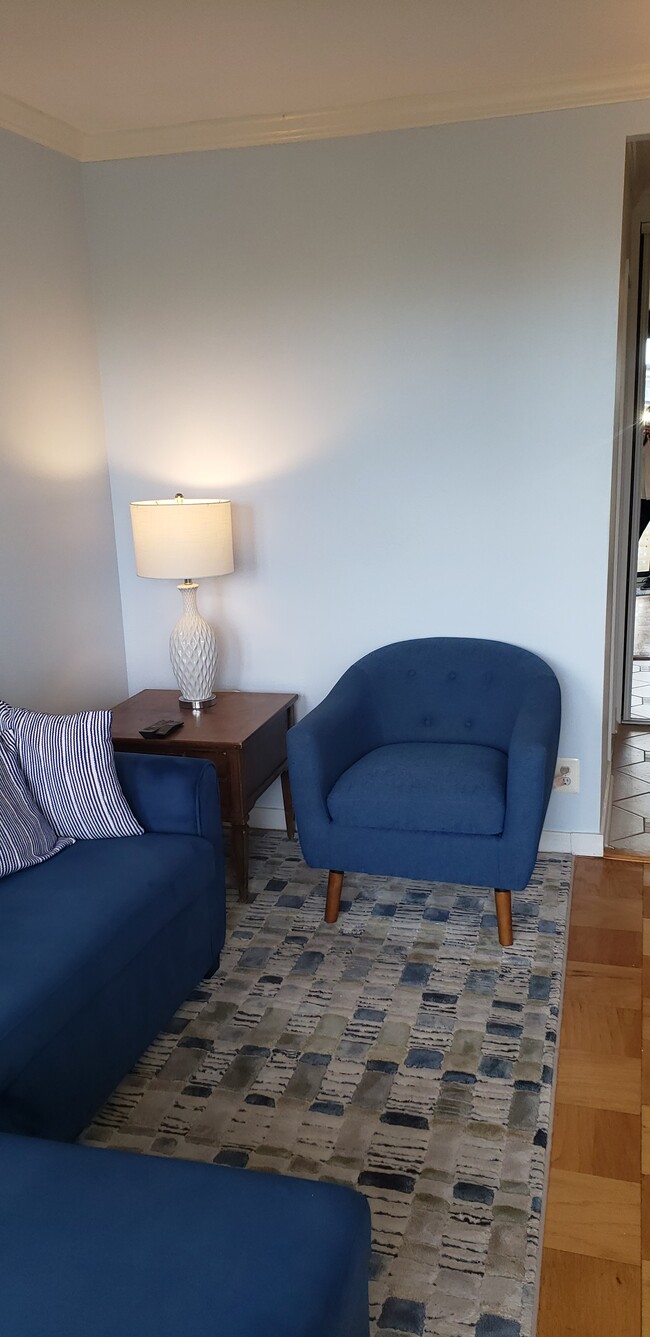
(185, 538)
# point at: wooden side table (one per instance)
(244, 735)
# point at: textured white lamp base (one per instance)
(193, 652)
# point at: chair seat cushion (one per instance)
(456, 788)
(101, 1243)
(70, 925)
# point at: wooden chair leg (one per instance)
(333, 899)
(504, 916)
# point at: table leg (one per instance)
(289, 817)
(239, 841)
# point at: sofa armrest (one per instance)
(172, 795)
(531, 760)
(327, 742)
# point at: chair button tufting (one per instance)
(451, 676)
(427, 720)
(468, 724)
(411, 673)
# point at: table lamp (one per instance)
(173, 536)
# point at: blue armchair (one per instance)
(430, 759)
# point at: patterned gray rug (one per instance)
(401, 1051)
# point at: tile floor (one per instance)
(629, 822)
(641, 690)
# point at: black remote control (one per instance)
(161, 728)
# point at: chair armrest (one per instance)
(172, 795)
(327, 741)
(532, 755)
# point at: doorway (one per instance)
(636, 665)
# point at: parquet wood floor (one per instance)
(597, 1231)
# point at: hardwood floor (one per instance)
(597, 1228)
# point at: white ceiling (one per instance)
(115, 78)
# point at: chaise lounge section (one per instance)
(97, 1243)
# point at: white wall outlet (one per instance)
(567, 774)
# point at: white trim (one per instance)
(332, 123)
(590, 843)
(605, 815)
(572, 842)
(267, 819)
(552, 842)
(365, 118)
(41, 129)
(555, 842)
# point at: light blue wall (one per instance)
(61, 641)
(396, 354)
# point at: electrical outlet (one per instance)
(567, 774)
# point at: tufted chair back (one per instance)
(451, 689)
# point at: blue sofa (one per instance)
(98, 1243)
(100, 944)
(98, 947)
(433, 759)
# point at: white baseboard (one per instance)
(552, 842)
(267, 819)
(572, 842)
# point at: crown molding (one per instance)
(332, 123)
(40, 128)
(364, 118)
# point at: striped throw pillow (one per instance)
(26, 836)
(69, 765)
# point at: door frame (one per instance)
(635, 385)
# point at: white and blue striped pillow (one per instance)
(69, 766)
(26, 836)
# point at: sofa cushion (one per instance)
(26, 837)
(69, 926)
(99, 1243)
(69, 764)
(456, 788)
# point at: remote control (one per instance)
(161, 728)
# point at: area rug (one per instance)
(401, 1051)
